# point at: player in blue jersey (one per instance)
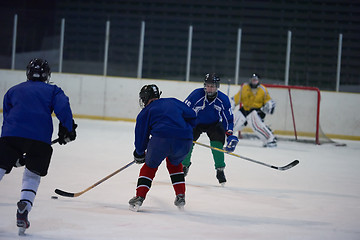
(27, 129)
(169, 122)
(215, 118)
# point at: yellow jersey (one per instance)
(249, 98)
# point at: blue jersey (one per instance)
(218, 110)
(27, 110)
(166, 118)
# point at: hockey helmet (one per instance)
(254, 80)
(147, 93)
(211, 80)
(38, 70)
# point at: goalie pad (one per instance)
(239, 121)
(259, 127)
(269, 107)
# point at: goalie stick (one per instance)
(70, 194)
(286, 167)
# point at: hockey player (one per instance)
(215, 118)
(170, 123)
(27, 130)
(255, 102)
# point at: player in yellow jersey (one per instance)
(255, 102)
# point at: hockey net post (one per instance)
(297, 113)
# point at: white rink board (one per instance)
(116, 97)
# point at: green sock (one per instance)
(186, 161)
(218, 156)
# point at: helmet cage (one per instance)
(254, 81)
(211, 79)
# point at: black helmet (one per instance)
(38, 70)
(147, 93)
(212, 78)
(254, 80)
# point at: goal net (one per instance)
(297, 114)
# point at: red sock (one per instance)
(176, 176)
(145, 179)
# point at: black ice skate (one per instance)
(135, 203)
(22, 221)
(180, 201)
(221, 176)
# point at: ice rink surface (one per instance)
(317, 199)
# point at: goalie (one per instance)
(255, 102)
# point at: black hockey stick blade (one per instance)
(286, 167)
(69, 194)
(63, 193)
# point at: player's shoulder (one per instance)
(199, 92)
(245, 85)
(222, 95)
(170, 100)
(261, 86)
(222, 98)
(178, 103)
(30, 84)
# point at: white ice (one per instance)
(317, 199)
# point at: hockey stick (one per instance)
(69, 194)
(286, 167)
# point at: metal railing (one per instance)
(236, 78)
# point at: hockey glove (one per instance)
(65, 136)
(20, 161)
(269, 107)
(232, 141)
(139, 159)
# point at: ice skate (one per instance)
(221, 176)
(180, 201)
(271, 141)
(22, 221)
(271, 144)
(135, 203)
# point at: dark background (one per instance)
(315, 27)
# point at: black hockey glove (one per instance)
(139, 159)
(21, 161)
(65, 136)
